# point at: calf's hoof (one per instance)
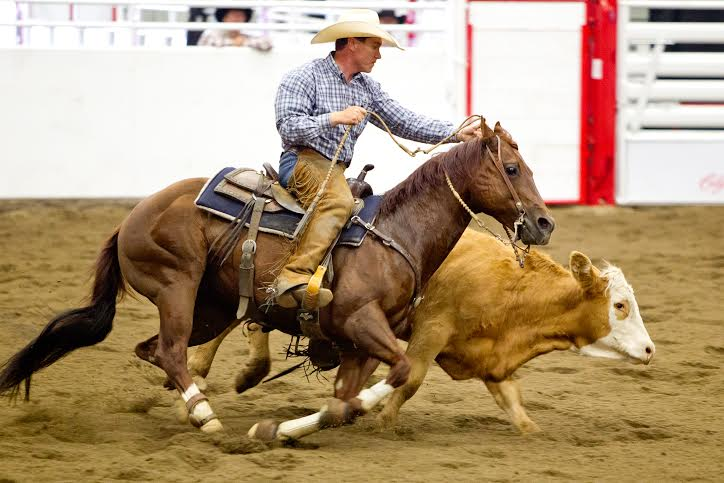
(265, 431)
(529, 427)
(386, 420)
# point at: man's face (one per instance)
(366, 53)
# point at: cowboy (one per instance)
(315, 104)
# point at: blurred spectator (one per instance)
(233, 38)
(196, 14)
(388, 17)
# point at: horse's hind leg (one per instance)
(176, 310)
(258, 364)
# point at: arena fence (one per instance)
(670, 125)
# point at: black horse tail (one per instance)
(72, 329)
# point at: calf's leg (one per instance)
(507, 394)
(425, 344)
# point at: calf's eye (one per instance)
(618, 306)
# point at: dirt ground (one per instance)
(100, 414)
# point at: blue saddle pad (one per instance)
(284, 222)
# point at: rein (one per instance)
(520, 252)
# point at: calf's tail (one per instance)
(72, 329)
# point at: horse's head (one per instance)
(503, 187)
(611, 326)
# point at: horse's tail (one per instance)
(72, 329)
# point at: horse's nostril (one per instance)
(648, 350)
(544, 224)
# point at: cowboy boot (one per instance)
(330, 215)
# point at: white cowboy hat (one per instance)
(357, 22)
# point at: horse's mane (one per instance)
(432, 173)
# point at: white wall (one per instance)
(527, 74)
(672, 168)
(126, 123)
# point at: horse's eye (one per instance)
(511, 170)
(618, 306)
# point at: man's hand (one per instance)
(472, 130)
(350, 116)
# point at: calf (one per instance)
(484, 317)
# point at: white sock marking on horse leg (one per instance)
(297, 428)
(372, 396)
(191, 391)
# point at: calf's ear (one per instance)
(583, 270)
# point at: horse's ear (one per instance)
(583, 270)
(505, 135)
(487, 132)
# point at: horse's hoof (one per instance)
(213, 426)
(265, 430)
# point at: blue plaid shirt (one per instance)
(308, 94)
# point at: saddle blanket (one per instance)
(282, 223)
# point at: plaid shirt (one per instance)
(307, 95)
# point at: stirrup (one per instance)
(310, 301)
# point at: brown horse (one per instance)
(162, 251)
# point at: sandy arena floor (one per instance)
(100, 414)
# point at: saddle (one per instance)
(256, 200)
(243, 184)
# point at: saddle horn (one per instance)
(358, 186)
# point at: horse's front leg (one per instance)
(369, 329)
(507, 394)
(354, 371)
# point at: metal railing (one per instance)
(132, 22)
(668, 90)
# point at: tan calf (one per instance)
(484, 317)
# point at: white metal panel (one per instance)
(673, 172)
(676, 64)
(127, 122)
(527, 75)
(675, 31)
(683, 90)
(678, 116)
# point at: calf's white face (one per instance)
(628, 338)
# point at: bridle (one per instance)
(520, 252)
